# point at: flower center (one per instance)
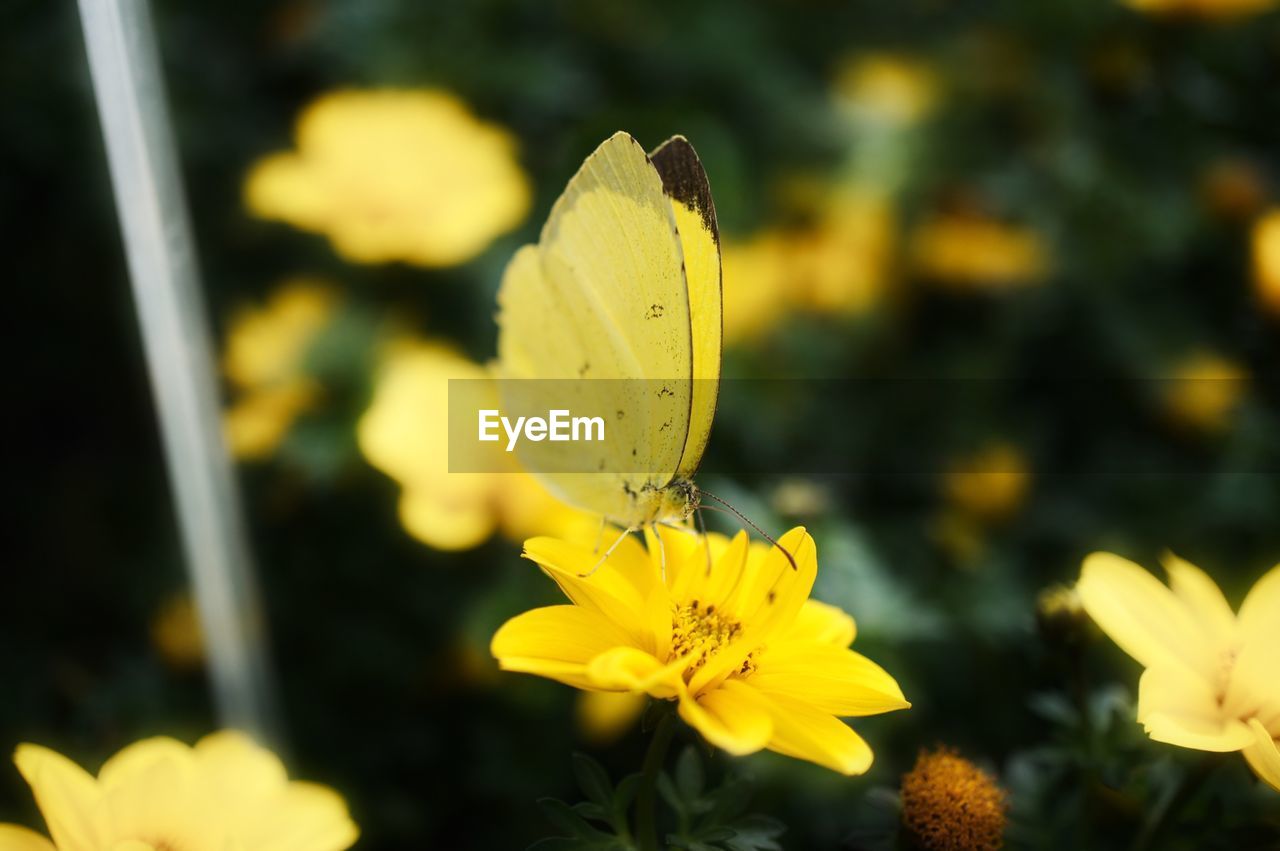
(699, 632)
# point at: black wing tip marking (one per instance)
(685, 180)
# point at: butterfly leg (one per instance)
(599, 536)
(662, 556)
(607, 553)
(706, 544)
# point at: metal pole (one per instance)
(129, 90)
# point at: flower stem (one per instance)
(1182, 793)
(647, 798)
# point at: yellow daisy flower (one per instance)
(1205, 391)
(726, 629)
(1265, 241)
(887, 88)
(1212, 678)
(949, 804)
(966, 252)
(840, 264)
(395, 175)
(225, 794)
(263, 360)
(989, 484)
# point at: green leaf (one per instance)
(593, 811)
(671, 795)
(627, 790)
(690, 777)
(592, 779)
(756, 833)
(563, 816)
(729, 801)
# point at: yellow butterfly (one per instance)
(623, 284)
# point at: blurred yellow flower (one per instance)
(387, 175)
(161, 795)
(755, 285)
(1205, 391)
(405, 434)
(603, 716)
(1202, 8)
(1266, 259)
(949, 804)
(264, 361)
(990, 484)
(840, 264)
(886, 88)
(723, 627)
(175, 633)
(1212, 678)
(967, 252)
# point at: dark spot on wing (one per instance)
(584, 369)
(655, 311)
(685, 180)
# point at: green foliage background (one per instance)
(365, 623)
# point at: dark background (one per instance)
(1104, 157)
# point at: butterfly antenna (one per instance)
(762, 533)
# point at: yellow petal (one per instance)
(832, 679)
(15, 838)
(673, 550)
(132, 763)
(556, 642)
(770, 597)
(66, 794)
(1202, 596)
(733, 717)
(1263, 756)
(658, 609)
(1179, 708)
(629, 669)
(1254, 687)
(594, 586)
(305, 817)
(1143, 616)
(729, 561)
(148, 788)
(822, 624)
(1260, 612)
(237, 771)
(804, 732)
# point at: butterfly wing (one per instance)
(685, 182)
(604, 296)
